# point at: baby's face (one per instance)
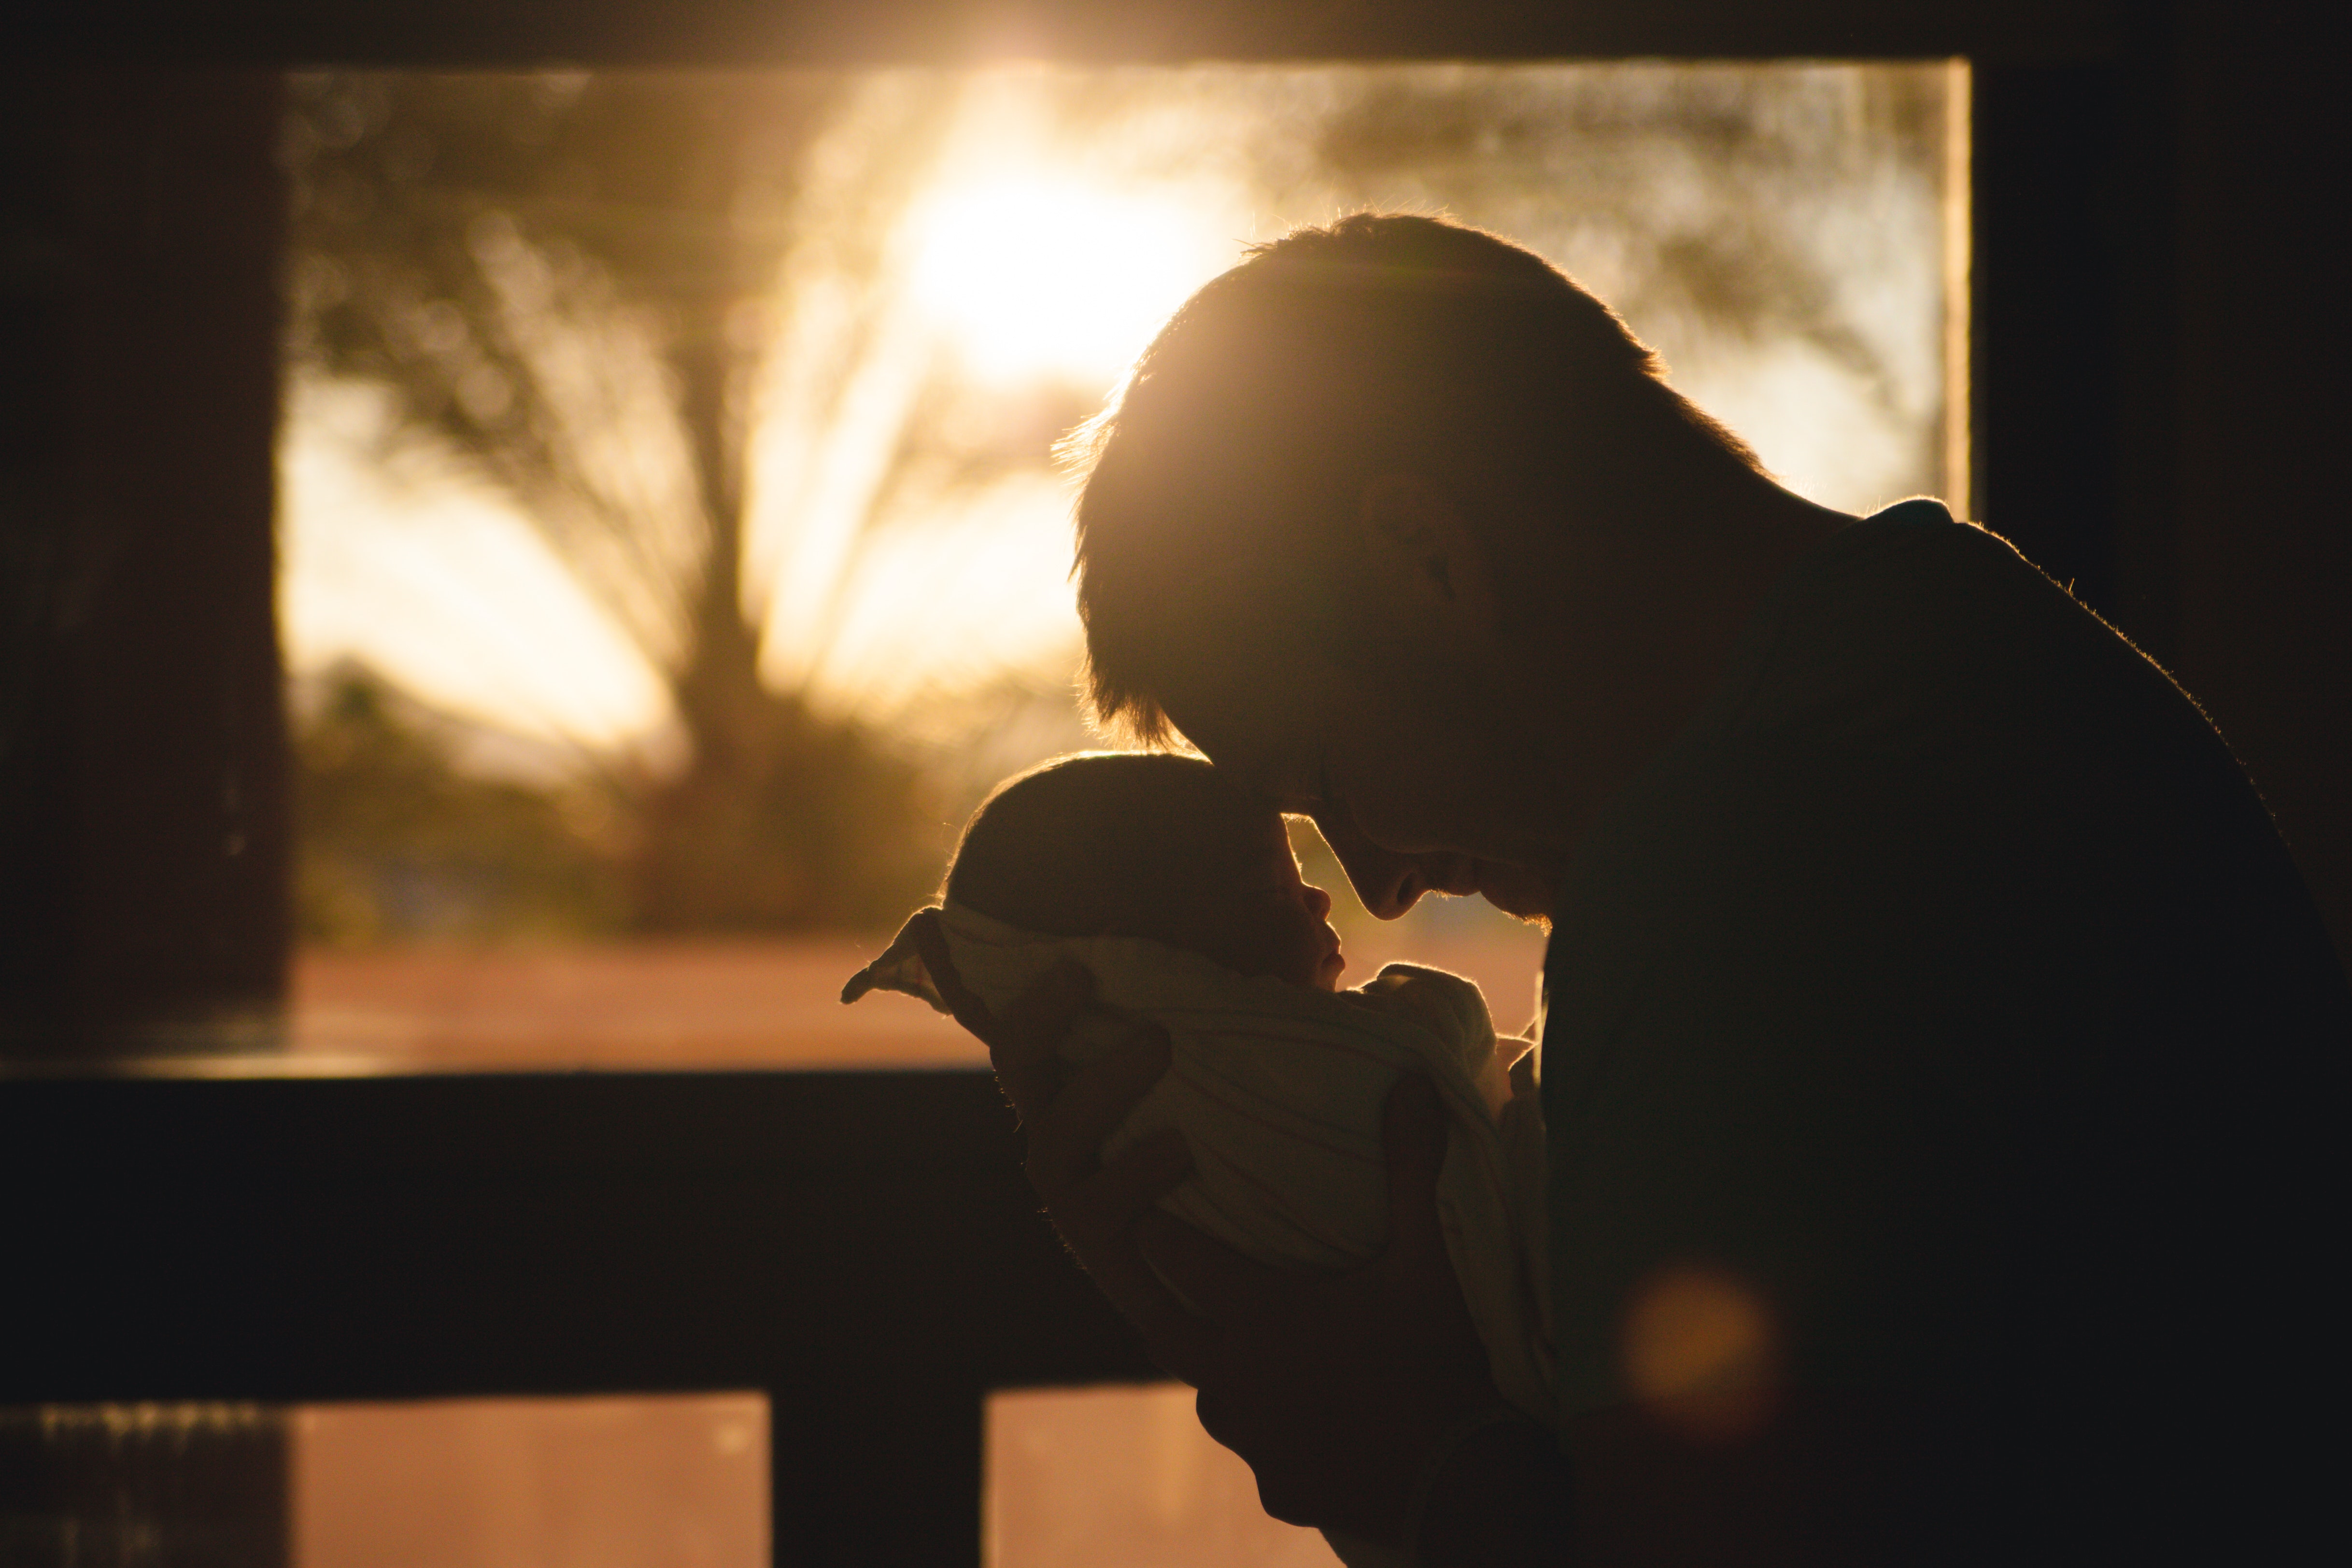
(1270, 921)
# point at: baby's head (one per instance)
(1146, 845)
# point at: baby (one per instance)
(1180, 894)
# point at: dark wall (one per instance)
(2160, 330)
(142, 779)
(2263, 541)
(2051, 246)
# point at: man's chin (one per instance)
(1514, 889)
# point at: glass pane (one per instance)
(673, 549)
(726, 1001)
(636, 1481)
(1083, 1477)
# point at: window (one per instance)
(673, 547)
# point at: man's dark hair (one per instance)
(1105, 843)
(1378, 344)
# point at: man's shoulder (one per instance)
(1951, 970)
(1914, 654)
(1923, 735)
(1911, 622)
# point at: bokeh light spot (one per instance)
(1702, 1353)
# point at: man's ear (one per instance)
(1423, 559)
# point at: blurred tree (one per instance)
(1758, 208)
(599, 288)
(568, 278)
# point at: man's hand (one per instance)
(1068, 1116)
(1335, 1389)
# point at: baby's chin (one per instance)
(1328, 970)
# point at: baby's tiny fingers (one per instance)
(931, 942)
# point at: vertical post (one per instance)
(2259, 385)
(2159, 390)
(880, 1467)
(2044, 385)
(143, 837)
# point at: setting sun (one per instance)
(1048, 275)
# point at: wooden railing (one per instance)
(862, 1245)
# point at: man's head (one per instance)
(1391, 405)
(1148, 844)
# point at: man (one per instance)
(1941, 1054)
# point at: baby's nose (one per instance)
(1318, 901)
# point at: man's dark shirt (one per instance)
(1946, 986)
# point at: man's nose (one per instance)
(1389, 883)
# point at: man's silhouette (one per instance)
(1942, 1057)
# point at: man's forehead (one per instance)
(1256, 759)
(1275, 752)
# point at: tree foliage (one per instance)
(568, 279)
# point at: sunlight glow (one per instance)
(948, 600)
(443, 587)
(1044, 274)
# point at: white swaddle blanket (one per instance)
(1279, 1091)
